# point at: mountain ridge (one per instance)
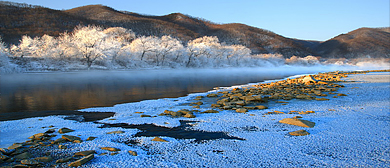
(20, 19)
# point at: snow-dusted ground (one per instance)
(350, 131)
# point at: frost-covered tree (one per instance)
(46, 46)
(3, 49)
(122, 35)
(6, 66)
(25, 48)
(167, 47)
(267, 60)
(143, 45)
(65, 47)
(90, 41)
(308, 60)
(119, 38)
(202, 48)
(233, 53)
(118, 47)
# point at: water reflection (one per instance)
(77, 90)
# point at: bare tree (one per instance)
(89, 41)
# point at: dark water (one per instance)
(33, 92)
(183, 131)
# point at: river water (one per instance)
(53, 91)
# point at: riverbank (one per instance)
(349, 131)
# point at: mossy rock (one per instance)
(158, 139)
(298, 122)
(299, 133)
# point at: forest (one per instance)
(93, 47)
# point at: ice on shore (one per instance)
(350, 131)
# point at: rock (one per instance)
(176, 114)
(168, 111)
(299, 133)
(7, 151)
(91, 138)
(144, 115)
(199, 97)
(3, 156)
(159, 139)
(227, 107)
(59, 140)
(248, 98)
(303, 112)
(303, 96)
(64, 160)
(241, 103)
(44, 159)
(22, 156)
(50, 131)
(38, 136)
(15, 146)
(297, 117)
(250, 107)
(278, 112)
(197, 103)
(298, 122)
(261, 107)
(308, 79)
(341, 94)
(29, 162)
(258, 98)
(77, 141)
(134, 153)
(85, 153)
(184, 111)
(81, 161)
(115, 132)
(70, 138)
(212, 95)
(189, 115)
(65, 130)
(62, 147)
(110, 149)
(210, 111)
(180, 113)
(242, 110)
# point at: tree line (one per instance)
(118, 47)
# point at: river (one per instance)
(53, 91)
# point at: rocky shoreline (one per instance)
(44, 150)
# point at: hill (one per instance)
(363, 42)
(18, 19)
(186, 28)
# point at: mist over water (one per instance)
(31, 92)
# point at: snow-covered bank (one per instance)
(350, 131)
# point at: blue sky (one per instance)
(302, 19)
